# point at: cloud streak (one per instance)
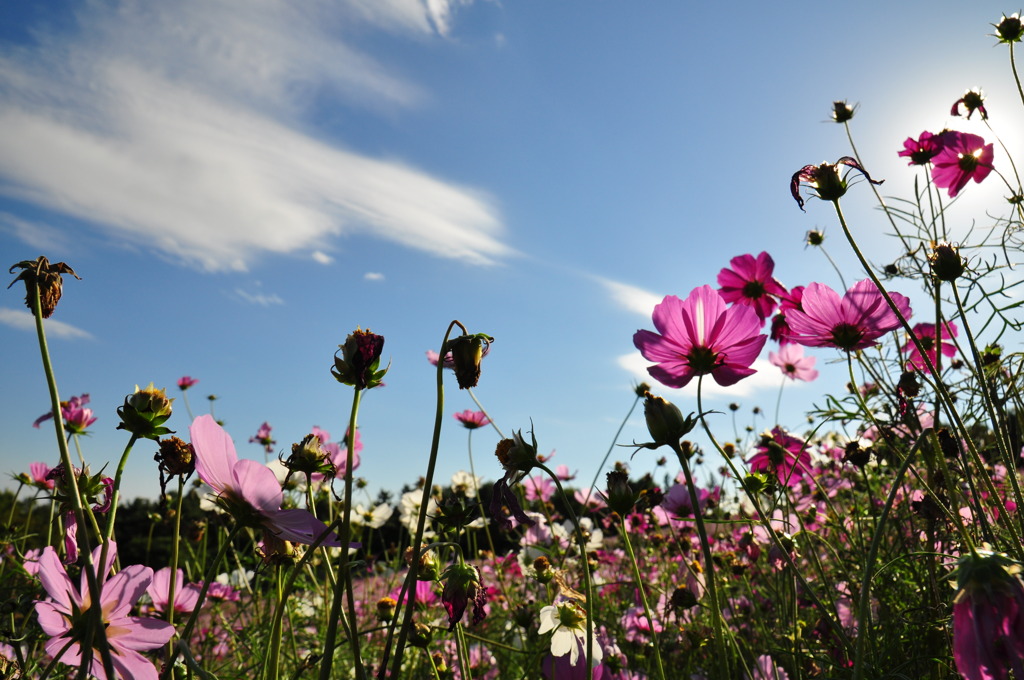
(188, 128)
(767, 377)
(24, 321)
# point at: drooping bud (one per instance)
(145, 411)
(841, 111)
(467, 351)
(39, 273)
(359, 360)
(461, 586)
(516, 454)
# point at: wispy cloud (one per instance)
(259, 298)
(24, 321)
(630, 297)
(373, 276)
(322, 257)
(767, 377)
(189, 127)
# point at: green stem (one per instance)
(175, 544)
(643, 598)
(115, 496)
(96, 633)
(409, 587)
(611, 447)
(343, 585)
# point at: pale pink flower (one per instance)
(186, 597)
(794, 365)
(338, 452)
(67, 614)
(263, 437)
(538, 488)
(249, 491)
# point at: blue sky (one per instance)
(242, 184)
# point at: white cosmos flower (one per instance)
(374, 518)
(466, 483)
(567, 623)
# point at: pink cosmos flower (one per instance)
(922, 150)
(677, 501)
(785, 455)
(263, 437)
(249, 491)
(471, 420)
(186, 597)
(65, 617)
(538, 488)
(794, 365)
(40, 475)
(855, 321)
(780, 331)
(700, 336)
(963, 157)
(925, 334)
(186, 381)
(988, 619)
(76, 417)
(750, 283)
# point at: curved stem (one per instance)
(643, 598)
(611, 447)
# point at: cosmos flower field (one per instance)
(884, 539)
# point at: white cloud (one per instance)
(23, 320)
(184, 127)
(373, 276)
(630, 297)
(767, 377)
(259, 298)
(322, 257)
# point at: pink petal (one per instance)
(299, 526)
(257, 485)
(215, 453)
(138, 633)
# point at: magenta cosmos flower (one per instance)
(264, 438)
(854, 321)
(249, 491)
(472, 420)
(76, 417)
(750, 283)
(925, 334)
(66, 616)
(963, 157)
(186, 381)
(782, 453)
(699, 336)
(794, 365)
(922, 150)
(988, 618)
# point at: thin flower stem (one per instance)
(343, 586)
(211, 572)
(71, 479)
(587, 586)
(643, 597)
(175, 543)
(188, 409)
(115, 497)
(611, 447)
(484, 411)
(778, 399)
(410, 580)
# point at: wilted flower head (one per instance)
(1009, 29)
(963, 157)
(922, 150)
(699, 336)
(973, 100)
(359, 360)
(517, 458)
(852, 322)
(461, 586)
(466, 353)
(825, 180)
(176, 457)
(145, 411)
(988, 617)
(39, 273)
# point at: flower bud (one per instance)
(359, 360)
(430, 567)
(1009, 29)
(542, 569)
(145, 411)
(467, 351)
(841, 111)
(621, 497)
(420, 635)
(309, 457)
(665, 422)
(386, 609)
(945, 261)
